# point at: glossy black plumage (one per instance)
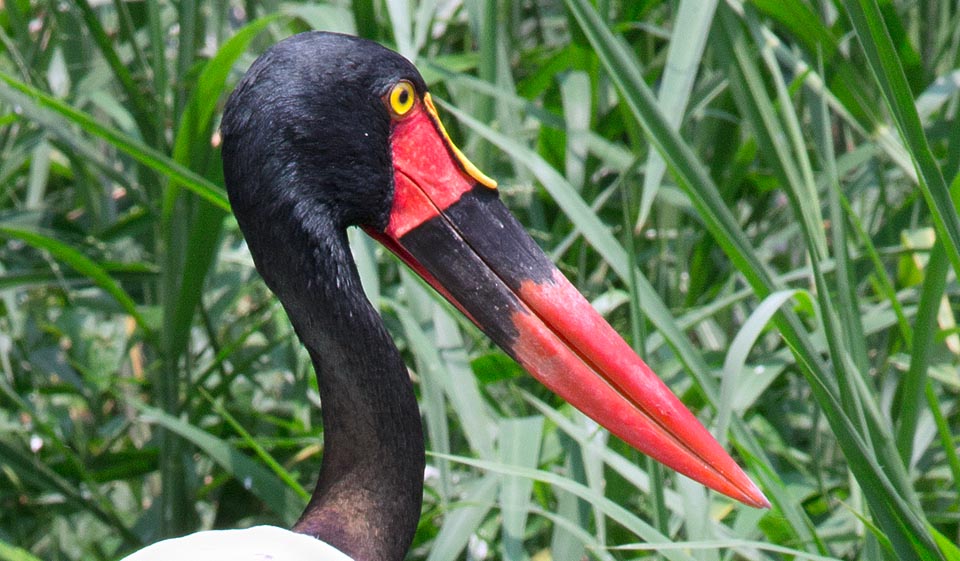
(306, 154)
(308, 115)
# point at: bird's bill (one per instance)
(448, 225)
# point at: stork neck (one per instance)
(368, 496)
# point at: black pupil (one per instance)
(403, 97)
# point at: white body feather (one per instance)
(260, 543)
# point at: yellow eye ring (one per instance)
(401, 98)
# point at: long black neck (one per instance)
(368, 497)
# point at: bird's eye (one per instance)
(401, 98)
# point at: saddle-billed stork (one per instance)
(328, 131)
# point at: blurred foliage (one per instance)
(763, 196)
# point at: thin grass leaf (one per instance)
(83, 265)
(574, 91)
(280, 498)
(924, 331)
(193, 236)
(611, 509)
(519, 441)
(430, 369)
(882, 276)
(946, 437)
(778, 133)
(10, 552)
(42, 107)
(464, 520)
(584, 539)
(847, 301)
(423, 22)
(950, 550)
(155, 30)
(286, 477)
(44, 477)
(743, 546)
(569, 536)
(364, 255)
(39, 175)
(885, 63)
(188, 34)
(688, 41)
(134, 92)
(454, 377)
(402, 26)
(734, 377)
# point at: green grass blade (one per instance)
(10, 552)
(465, 518)
(519, 441)
(39, 475)
(885, 63)
(80, 263)
(452, 374)
(270, 489)
(734, 376)
(196, 122)
(688, 41)
(134, 91)
(574, 90)
(42, 107)
(744, 545)
(951, 551)
(251, 442)
(946, 440)
(616, 512)
(924, 331)
(193, 237)
(430, 368)
(848, 307)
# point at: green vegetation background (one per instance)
(762, 196)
